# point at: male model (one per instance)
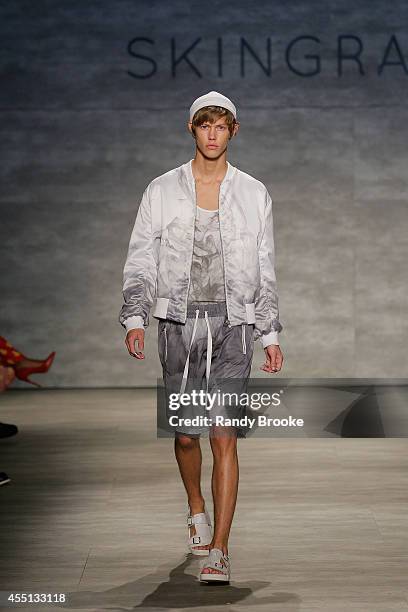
(201, 257)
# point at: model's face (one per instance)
(212, 138)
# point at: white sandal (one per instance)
(218, 561)
(203, 534)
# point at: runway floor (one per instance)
(96, 509)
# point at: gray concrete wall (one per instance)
(81, 138)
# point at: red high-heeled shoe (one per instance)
(24, 372)
(10, 357)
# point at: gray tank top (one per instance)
(207, 270)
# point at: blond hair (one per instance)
(211, 114)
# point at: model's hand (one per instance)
(135, 342)
(274, 359)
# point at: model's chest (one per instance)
(207, 196)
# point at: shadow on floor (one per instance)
(164, 590)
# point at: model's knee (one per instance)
(187, 442)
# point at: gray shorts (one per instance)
(206, 353)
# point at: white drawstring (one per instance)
(185, 373)
(243, 339)
(209, 355)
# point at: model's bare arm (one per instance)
(135, 343)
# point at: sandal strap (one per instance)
(202, 535)
(196, 540)
(197, 519)
(217, 560)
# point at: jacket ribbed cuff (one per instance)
(135, 322)
(271, 338)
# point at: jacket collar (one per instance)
(189, 172)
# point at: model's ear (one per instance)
(190, 128)
(235, 130)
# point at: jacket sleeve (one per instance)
(140, 270)
(267, 324)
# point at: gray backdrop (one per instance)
(87, 122)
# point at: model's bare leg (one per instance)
(225, 478)
(189, 459)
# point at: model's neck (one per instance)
(209, 170)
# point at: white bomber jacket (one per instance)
(156, 275)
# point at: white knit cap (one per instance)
(212, 98)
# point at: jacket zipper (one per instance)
(223, 258)
(192, 247)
